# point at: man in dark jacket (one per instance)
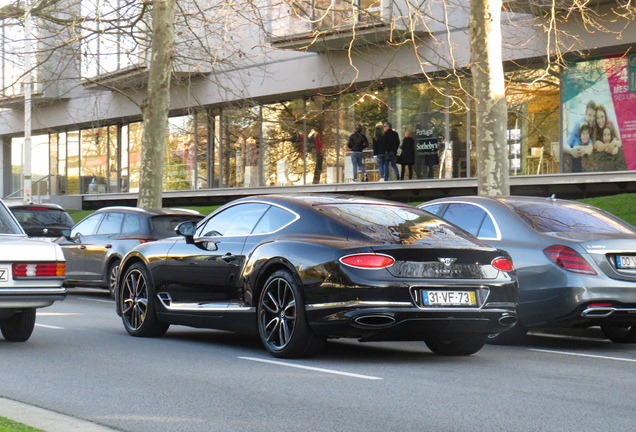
(392, 140)
(357, 143)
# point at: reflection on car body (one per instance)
(299, 269)
(575, 263)
(31, 276)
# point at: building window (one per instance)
(182, 148)
(12, 57)
(40, 154)
(112, 36)
(290, 19)
(134, 135)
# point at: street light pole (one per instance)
(27, 195)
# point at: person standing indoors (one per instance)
(406, 155)
(357, 143)
(392, 140)
(379, 149)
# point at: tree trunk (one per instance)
(156, 105)
(490, 99)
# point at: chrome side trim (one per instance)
(356, 304)
(598, 251)
(167, 303)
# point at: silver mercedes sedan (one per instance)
(576, 264)
(31, 277)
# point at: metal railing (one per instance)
(36, 188)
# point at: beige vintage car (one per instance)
(31, 277)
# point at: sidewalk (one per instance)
(48, 421)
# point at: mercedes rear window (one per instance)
(549, 217)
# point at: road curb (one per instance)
(46, 420)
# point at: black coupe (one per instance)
(299, 269)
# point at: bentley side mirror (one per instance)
(186, 230)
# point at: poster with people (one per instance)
(598, 125)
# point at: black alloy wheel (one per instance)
(137, 305)
(620, 334)
(282, 323)
(456, 344)
(18, 327)
(113, 273)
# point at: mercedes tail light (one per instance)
(568, 259)
(503, 264)
(42, 269)
(368, 261)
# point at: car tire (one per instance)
(111, 276)
(18, 327)
(456, 344)
(282, 323)
(619, 334)
(512, 336)
(136, 299)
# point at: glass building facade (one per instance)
(294, 142)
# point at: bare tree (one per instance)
(157, 104)
(490, 97)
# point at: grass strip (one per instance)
(7, 425)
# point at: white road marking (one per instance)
(49, 326)
(581, 338)
(583, 355)
(315, 369)
(96, 300)
(57, 314)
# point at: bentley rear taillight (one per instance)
(503, 264)
(568, 259)
(368, 261)
(29, 270)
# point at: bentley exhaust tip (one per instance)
(508, 320)
(374, 320)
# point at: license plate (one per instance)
(449, 298)
(625, 261)
(4, 275)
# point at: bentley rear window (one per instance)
(407, 225)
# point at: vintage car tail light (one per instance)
(368, 261)
(503, 264)
(28, 270)
(568, 259)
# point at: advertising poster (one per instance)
(598, 123)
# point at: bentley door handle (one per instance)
(228, 257)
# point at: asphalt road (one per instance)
(81, 362)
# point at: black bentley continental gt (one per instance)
(299, 269)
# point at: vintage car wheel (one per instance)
(512, 336)
(282, 323)
(137, 304)
(456, 344)
(18, 327)
(619, 334)
(113, 272)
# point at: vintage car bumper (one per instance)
(15, 298)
